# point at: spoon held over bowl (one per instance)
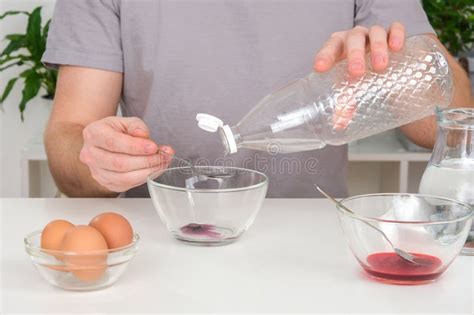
(196, 171)
(401, 253)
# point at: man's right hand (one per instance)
(120, 153)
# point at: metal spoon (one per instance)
(195, 171)
(401, 253)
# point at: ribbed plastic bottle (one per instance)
(333, 108)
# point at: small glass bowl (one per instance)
(433, 229)
(207, 205)
(80, 271)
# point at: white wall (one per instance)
(14, 134)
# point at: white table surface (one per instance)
(294, 259)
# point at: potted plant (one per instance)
(453, 21)
(25, 51)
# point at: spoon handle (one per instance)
(333, 200)
(352, 212)
(176, 158)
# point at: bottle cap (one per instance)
(212, 124)
(208, 122)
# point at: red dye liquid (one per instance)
(391, 267)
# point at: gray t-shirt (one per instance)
(181, 57)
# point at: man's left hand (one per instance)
(353, 44)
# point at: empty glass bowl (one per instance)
(80, 271)
(431, 228)
(207, 205)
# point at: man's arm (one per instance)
(91, 152)
(423, 132)
(82, 96)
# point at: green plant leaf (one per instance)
(34, 75)
(14, 45)
(30, 90)
(7, 91)
(44, 36)
(49, 78)
(10, 65)
(452, 21)
(13, 13)
(14, 36)
(46, 28)
(26, 73)
(33, 34)
(8, 58)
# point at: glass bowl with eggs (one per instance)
(83, 257)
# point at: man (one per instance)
(166, 60)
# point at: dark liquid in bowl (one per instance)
(392, 268)
(197, 229)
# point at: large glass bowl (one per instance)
(208, 205)
(433, 229)
(80, 271)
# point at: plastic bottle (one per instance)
(334, 108)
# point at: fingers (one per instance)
(120, 154)
(167, 150)
(133, 126)
(121, 163)
(137, 128)
(378, 47)
(353, 43)
(396, 36)
(331, 52)
(105, 136)
(355, 47)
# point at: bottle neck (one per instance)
(230, 138)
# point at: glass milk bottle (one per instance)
(335, 108)
(450, 172)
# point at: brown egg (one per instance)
(53, 234)
(116, 230)
(58, 267)
(89, 257)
